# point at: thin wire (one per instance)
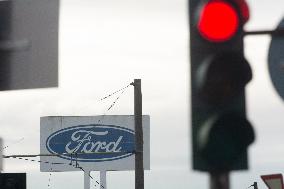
(115, 101)
(49, 179)
(115, 92)
(37, 161)
(62, 154)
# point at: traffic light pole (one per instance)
(219, 180)
(139, 168)
(86, 179)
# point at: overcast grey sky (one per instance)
(104, 45)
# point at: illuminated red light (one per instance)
(218, 21)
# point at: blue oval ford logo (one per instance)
(92, 143)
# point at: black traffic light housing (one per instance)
(13, 180)
(28, 44)
(221, 132)
(5, 30)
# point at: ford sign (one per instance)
(92, 143)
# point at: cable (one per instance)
(49, 179)
(115, 101)
(115, 92)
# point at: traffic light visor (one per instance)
(218, 21)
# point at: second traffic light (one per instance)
(221, 132)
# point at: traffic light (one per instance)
(221, 132)
(5, 29)
(13, 180)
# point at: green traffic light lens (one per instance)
(224, 138)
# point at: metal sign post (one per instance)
(86, 179)
(103, 180)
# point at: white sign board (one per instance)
(91, 143)
(274, 181)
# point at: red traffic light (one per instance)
(218, 21)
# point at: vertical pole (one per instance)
(139, 168)
(219, 180)
(86, 179)
(255, 185)
(103, 180)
